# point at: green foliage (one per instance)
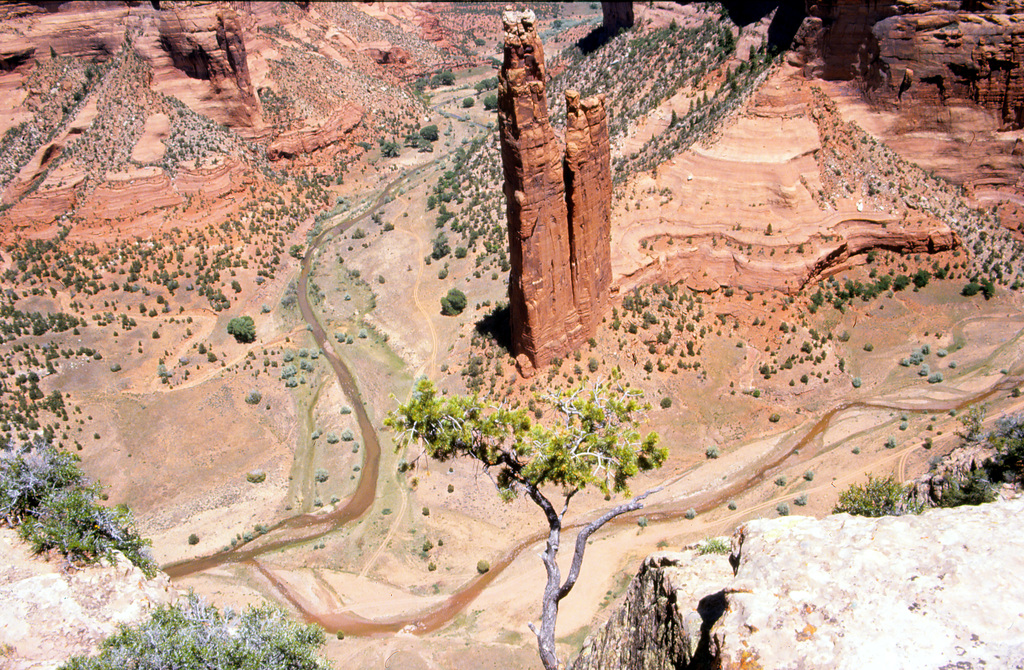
(482, 566)
(45, 494)
(468, 102)
(256, 476)
(453, 303)
(195, 635)
(491, 102)
(429, 133)
(596, 443)
(243, 329)
(878, 497)
(389, 149)
(974, 489)
(714, 545)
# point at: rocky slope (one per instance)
(52, 612)
(929, 591)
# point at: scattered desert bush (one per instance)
(253, 397)
(256, 476)
(482, 566)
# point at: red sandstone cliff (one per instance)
(588, 184)
(921, 52)
(558, 210)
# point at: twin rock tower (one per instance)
(558, 205)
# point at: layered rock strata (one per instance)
(937, 590)
(558, 205)
(921, 52)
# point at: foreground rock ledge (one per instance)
(939, 590)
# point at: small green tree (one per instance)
(490, 102)
(243, 328)
(429, 133)
(468, 102)
(453, 303)
(595, 441)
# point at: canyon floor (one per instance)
(768, 396)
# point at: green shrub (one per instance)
(809, 475)
(876, 498)
(253, 397)
(782, 509)
(322, 475)
(44, 492)
(195, 635)
(193, 539)
(482, 566)
(714, 545)
(453, 303)
(242, 328)
(711, 452)
(666, 402)
(974, 489)
(256, 476)
(690, 514)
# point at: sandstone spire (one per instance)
(558, 205)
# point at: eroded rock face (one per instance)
(206, 45)
(617, 15)
(935, 590)
(558, 205)
(588, 185)
(923, 52)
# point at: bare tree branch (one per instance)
(581, 539)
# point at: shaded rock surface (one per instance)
(938, 590)
(922, 52)
(558, 240)
(50, 613)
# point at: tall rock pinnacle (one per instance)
(558, 205)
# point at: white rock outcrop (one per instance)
(49, 613)
(938, 590)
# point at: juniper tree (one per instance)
(594, 441)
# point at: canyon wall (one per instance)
(558, 205)
(197, 52)
(921, 52)
(934, 590)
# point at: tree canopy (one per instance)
(594, 441)
(453, 303)
(243, 328)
